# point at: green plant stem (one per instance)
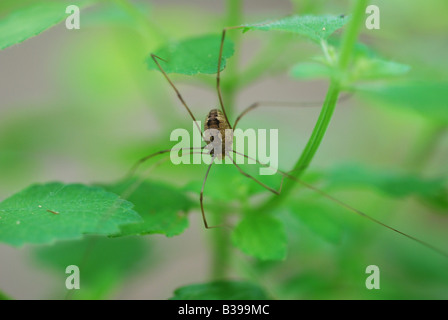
(151, 31)
(221, 243)
(334, 89)
(220, 249)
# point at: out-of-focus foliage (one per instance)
(261, 236)
(4, 296)
(322, 218)
(427, 98)
(107, 263)
(220, 290)
(434, 190)
(367, 66)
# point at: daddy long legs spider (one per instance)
(218, 122)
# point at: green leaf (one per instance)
(220, 290)
(321, 218)
(104, 263)
(316, 28)
(193, 55)
(427, 98)
(261, 236)
(44, 213)
(377, 68)
(367, 65)
(431, 190)
(162, 207)
(31, 20)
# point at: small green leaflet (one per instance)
(44, 213)
(367, 65)
(220, 290)
(316, 28)
(261, 236)
(377, 68)
(31, 20)
(162, 207)
(193, 55)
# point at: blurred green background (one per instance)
(80, 106)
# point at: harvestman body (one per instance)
(218, 134)
(217, 127)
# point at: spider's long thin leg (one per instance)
(218, 73)
(144, 159)
(284, 104)
(349, 207)
(255, 179)
(155, 57)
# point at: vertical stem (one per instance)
(220, 236)
(348, 43)
(220, 249)
(150, 30)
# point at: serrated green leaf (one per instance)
(193, 55)
(162, 207)
(104, 263)
(220, 290)
(432, 190)
(320, 218)
(31, 20)
(427, 98)
(316, 28)
(261, 236)
(44, 213)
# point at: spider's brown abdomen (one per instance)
(216, 120)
